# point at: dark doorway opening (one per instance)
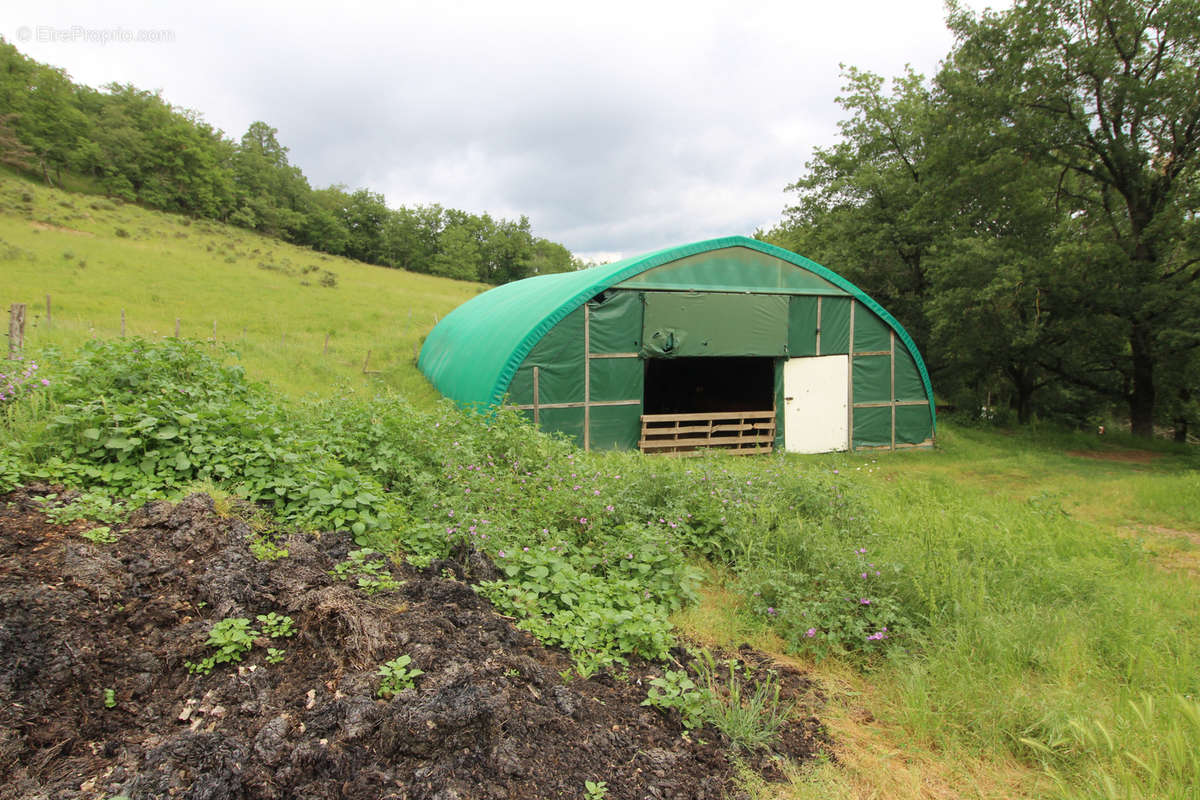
(704, 385)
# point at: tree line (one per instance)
(132, 144)
(1031, 212)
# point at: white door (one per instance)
(815, 395)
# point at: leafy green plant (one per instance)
(110, 698)
(10, 467)
(275, 655)
(264, 548)
(396, 676)
(96, 506)
(369, 569)
(276, 626)
(676, 690)
(101, 534)
(595, 790)
(232, 637)
(598, 618)
(144, 419)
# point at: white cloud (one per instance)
(617, 127)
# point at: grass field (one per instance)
(274, 303)
(1047, 580)
(1057, 574)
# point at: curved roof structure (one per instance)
(472, 355)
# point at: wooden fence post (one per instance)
(16, 330)
(177, 327)
(367, 365)
(47, 311)
(123, 324)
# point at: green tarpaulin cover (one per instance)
(487, 347)
(682, 324)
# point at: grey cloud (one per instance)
(616, 127)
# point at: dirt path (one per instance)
(96, 701)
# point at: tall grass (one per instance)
(1046, 636)
(274, 303)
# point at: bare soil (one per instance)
(491, 717)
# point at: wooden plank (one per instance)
(691, 434)
(746, 426)
(536, 410)
(613, 355)
(818, 326)
(705, 441)
(884, 403)
(850, 384)
(892, 355)
(708, 416)
(716, 434)
(903, 446)
(16, 331)
(680, 429)
(587, 377)
(529, 406)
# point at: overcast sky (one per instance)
(616, 127)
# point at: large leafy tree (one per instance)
(865, 206)
(37, 104)
(1107, 93)
(273, 195)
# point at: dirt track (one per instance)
(490, 718)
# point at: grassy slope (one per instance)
(1060, 586)
(1058, 572)
(272, 312)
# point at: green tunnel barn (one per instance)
(728, 343)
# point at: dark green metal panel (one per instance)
(520, 391)
(616, 427)
(873, 427)
(680, 324)
(909, 385)
(563, 420)
(872, 379)
(871, 334)
(913, 424)
(835, 325)
(802, 326)
(559, 359)
(779, 402)
(617, 379)
(616, 323)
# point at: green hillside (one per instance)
(272, 302)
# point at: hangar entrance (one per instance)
(693, 404)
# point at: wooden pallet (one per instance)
(736, 432)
